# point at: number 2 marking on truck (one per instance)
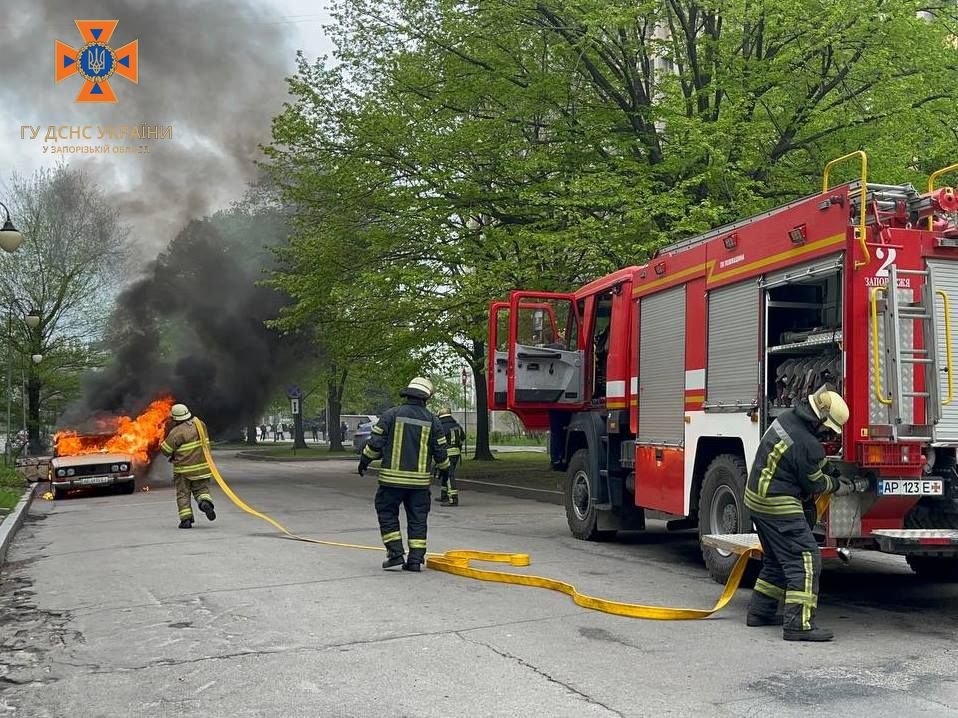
(889, 260)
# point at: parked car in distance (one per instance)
(361, 434)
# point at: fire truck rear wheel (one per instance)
(933, 515)
(722, 511)
(577, 495)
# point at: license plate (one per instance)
(92, 480)
(910, 487)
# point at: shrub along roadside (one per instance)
(11, 487)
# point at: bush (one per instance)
(11, 487)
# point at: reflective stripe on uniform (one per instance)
(166, 448)
(453, 451)
(771, 466)
(186, 513)
(769, 589)
(403, 479)
(808, 595)
(370, 453)
(424, 448)
(443, 464)
(773, 505)
(377, 429)
(417, 543)
(190, 445)
(395, 457)
(205, 497)
(191, 468)
(392, 536)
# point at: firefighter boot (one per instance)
(206, 507)
(800, 625)
(186, 524)
(394, 558)
(454, 500)
(763, 607)
(414, 566)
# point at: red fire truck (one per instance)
(657, 381)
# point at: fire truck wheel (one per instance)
(579, 509)
(933, 515)
(722, 511)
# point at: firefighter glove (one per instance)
(845, 487)
(363, 465)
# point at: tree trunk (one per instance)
(478, 366)
(299, 438)
(37, 446)
(334, 395)
(251, 431)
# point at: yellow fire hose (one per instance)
(459, 562)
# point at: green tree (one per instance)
(460, 150)
(66, 275)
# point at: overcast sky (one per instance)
(213, 69)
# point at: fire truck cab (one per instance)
(657, 382)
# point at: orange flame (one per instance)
(121, 435)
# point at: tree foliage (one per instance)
(68, 270)
(457, 150)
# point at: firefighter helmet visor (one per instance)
(830, 408)
(180, 412)
(445, 411)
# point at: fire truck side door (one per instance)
(545, 364)
(498, 385)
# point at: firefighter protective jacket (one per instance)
(185, 449)
(454, 434)
(408, 438)
(788, 468)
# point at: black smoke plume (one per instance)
(194, 327)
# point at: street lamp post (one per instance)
(10, 238)
(10, 241)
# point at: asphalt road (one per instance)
(109, 610)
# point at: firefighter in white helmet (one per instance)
(408, 439)
(448, 492)
(191, 472)
(787, 475)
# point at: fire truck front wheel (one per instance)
(579, 506)
(722, 510)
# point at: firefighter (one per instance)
(408, 439)
(454, 437)
(191, 472)
(787, 475)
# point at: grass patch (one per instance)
(532, 469)
(12, 486)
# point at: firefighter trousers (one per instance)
(791, 565)
(198, 488)
(416, 502)
(449, 485)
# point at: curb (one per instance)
(546, 496)
(13, 521)
(251, 456)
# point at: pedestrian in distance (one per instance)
(409, 440)
(343, 431)
(314, 429)
(788, 473)
(262, 432)
(448, 491)
(183, 446)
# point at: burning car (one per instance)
(110, 456)
(96, 469)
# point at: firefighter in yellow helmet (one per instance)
(788, 473)
(408, 439)
(191, 472)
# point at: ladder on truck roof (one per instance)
(884, 196)
(900, 396)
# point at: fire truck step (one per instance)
(733, 543)
(906, 541)
(915, 393)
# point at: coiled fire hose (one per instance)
(459, 562)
